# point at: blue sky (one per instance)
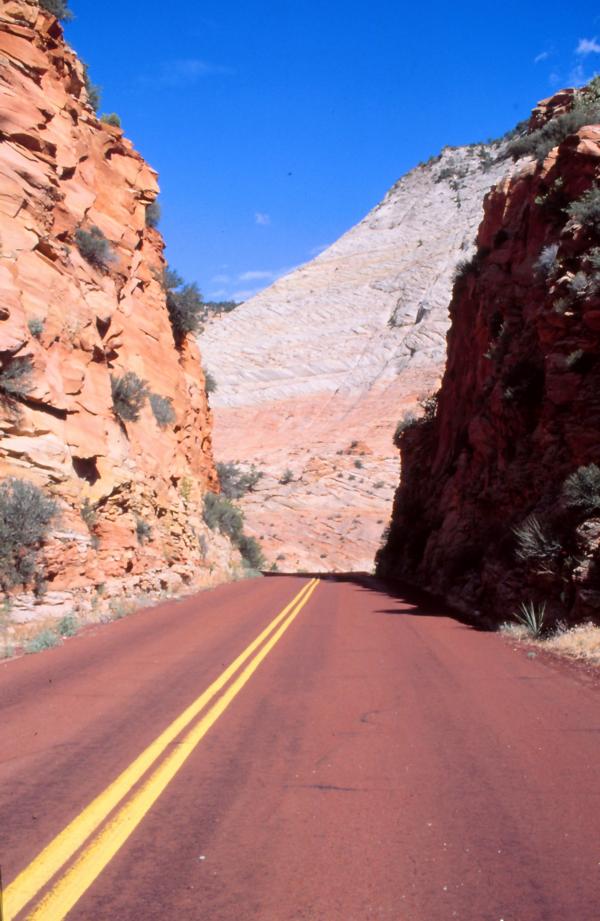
(277, 124)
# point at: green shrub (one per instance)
(92, 89)
(540, 142)
(153, 214)
(407, 421)
(67, 625)
(143, 531)
(25, 517)
(129, 393)
(286, 477)
(162, 407)
(358, 463)
(35, 327)
(534, 544)
(581, 490)
(235, 483)
(89, 513)
(546, 263)
(532, 617)
(251, 552)
(94, 247)
(15, 378)
(220, 514)
(45, 639)
(111, 118)
(185, 306)
(209, 382)
(58, 8)
(586, 210)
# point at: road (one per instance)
(287, 749)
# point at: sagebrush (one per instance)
(26, 513)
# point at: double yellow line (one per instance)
(92, 860)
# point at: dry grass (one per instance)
(582, 642)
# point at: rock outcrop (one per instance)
(499, 501)
(69, 324)
(332, 353)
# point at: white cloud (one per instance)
(184, 72)
(220, 279)
(244, 294)
(257, 275)
(262, 219)
(588, 46)
(543, 56)
(218, 295)
(578, 77)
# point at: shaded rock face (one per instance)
(74, 323)
(518, 412)
(333, 352)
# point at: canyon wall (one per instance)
(314, 372)
(499, 500)
(129, 492)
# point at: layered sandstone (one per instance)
(332, 354)
(78, 324)
(519, 407)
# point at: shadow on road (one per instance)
(408, 601)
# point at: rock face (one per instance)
(499, 502)
(72, 324)
(331, 354)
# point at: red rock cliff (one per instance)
(74, 325)
(499, 500)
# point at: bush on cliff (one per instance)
(581, 490)
(58, 8)
(540, 142)
(220, 514)
(92, 89)
(535, 544)
(94, 247)
(111, 118)
(235, 483)
(210, 382)
(162, 407)
(251, 551)
(129, 393)
(25, 517)
(15, 379)
(185, 306)
(153, 214)
(586, 210)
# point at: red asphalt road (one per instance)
(381, 763)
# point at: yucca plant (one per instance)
(532, 617)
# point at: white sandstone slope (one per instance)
(333, 353)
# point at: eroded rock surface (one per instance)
(77, 324)
(519, 408)
(334, 353)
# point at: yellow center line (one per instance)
(62, 848)
(68, 890)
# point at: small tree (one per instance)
(220, 514)
(25, 517)
(234, 482)
(153, 214)
(251, 552)
(58, 8)
(586, 210)
(94, 247)
(129, 393)
(111, 118)
(185, 306)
